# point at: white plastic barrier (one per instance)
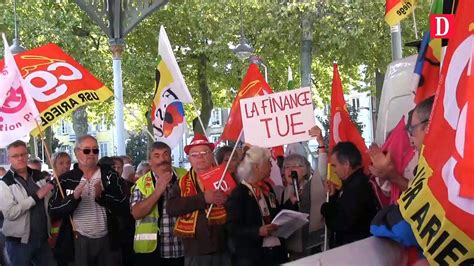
(370, 251)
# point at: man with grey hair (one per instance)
(94, 198)
(24, 197)
(155, 242)
(143, 168)
(383, 165)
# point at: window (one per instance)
(63, 127)
(102, 125)
(214, 138)
(355, 103)
(103, 149)
(216, 118)
(66, 148)
(3, 156)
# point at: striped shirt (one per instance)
(90, 219)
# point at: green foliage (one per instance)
(353, 33)
(136, 147)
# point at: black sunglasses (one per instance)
(87, 151)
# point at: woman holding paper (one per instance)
(250, 210)
(311, 194)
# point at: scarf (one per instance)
(186, 224)
(268, 241)
(262, 187)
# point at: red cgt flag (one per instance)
(252, 85)
(341, 127)
(59, 84)
(439, 204)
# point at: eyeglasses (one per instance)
(411, 128)
(198, 154)
(88, 151)
(293, 166)
(17, 156)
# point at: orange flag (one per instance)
(252, 85)
(396, 10)
(439, 204)
(341, 127)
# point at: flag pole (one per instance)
(325, 247)
(414, 23)
(225, 169)
(55, 176)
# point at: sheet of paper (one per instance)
(288, 222)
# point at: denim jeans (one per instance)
(37, 253)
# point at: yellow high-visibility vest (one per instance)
(146, 229)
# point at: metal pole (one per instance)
(257, 60)
(396, 36)
(415, 28)
(116, 46)
(35, 148)
(265, 71)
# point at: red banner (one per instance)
(341, 127)
(252, 85)
(210, 180)
(59, 83)
(439, 204)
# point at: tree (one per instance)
(351, 32)
(136, 147)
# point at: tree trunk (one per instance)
(79, 122)
(206, 96)
(150, 128)
(306, 46)
(48, 134)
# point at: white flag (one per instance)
(18, 110)
(171, 92)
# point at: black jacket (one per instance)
(244, 220)
(349, 212)
(112, 198)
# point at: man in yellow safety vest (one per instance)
(155, 242)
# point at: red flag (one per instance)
(439, 204)
(401, 151)
(210, 180)
(252, 85)
(59, 84)
(341, 127)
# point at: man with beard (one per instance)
(155, 242)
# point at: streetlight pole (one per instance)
(396, 38)
(258, 60)
(117, 18)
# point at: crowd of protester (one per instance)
(103, 212)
